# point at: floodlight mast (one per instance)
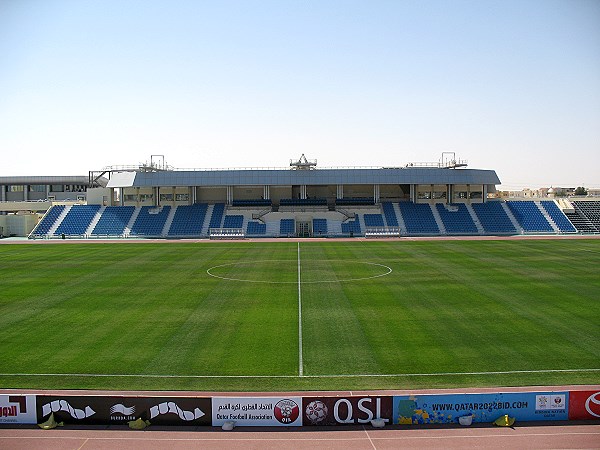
(303, 163)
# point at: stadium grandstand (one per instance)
(156, 201)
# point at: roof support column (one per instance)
(229, 195)
(376, 193)
(303, 191)
(4, 193)
(26, 192)
(340, 191)
(449, 193)
(413, 193)
(484, 193)
(266, 192)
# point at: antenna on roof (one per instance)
(303, 163)
(449, 161)
(157, 164)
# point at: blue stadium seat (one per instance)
(457, 222)
(418, 218)
(188, 220)
(493, 218)
(217, 215)
(287, 227)
(113, 221)
(256, 228)
(374, 220)
(258, 202)
(150, 221)
(77, 220)
(233, 221)
(390, 214)
(351, 227)
(559, 218)
(302, 201)
(355, 201)
(48, 220)
(529, 216)
(319, 227)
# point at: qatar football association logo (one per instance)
(286, 411)
(316, 412)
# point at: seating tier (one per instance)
(529, 216)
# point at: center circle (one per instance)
(310, 272)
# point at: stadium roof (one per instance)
(45, 179)
(287, 177)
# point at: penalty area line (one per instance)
(366, 375)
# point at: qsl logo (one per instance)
(286, 411)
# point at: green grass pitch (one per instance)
(365, 315)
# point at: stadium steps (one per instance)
(529, 216)
(136, 213)
(58, 221)
(476, 221)
(272, 229)
(558, 215)
(206, 225)
(547, 216)
(438, 220)
(512, 219)
(95, 221)
(361, 222)
(168, 222)
(401, 223)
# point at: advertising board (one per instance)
(107, 410)
(17, 409)
(447, 408)
(257, 411)
(584, 405)
(346, 410)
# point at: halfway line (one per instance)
(300, 361)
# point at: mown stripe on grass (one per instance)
(364, 375)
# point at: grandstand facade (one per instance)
(414, 200)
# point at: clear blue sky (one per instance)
(508, 85)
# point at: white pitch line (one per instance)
(300, 361)
(368, 375)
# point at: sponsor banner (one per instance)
(179, 411)
(119, 410)
(447, 408)
(257, 411)
(584, 405)
(17, 409)
(346, 410)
